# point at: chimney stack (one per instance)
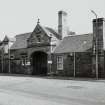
(99, 45)
(62, 24)
(99, 33)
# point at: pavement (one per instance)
(25, 90)
(54, 77)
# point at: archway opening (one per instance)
(39, 63)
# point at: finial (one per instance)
(38, 21)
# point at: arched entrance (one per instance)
(39, 63)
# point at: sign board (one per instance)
(28, 63)
(49, 62)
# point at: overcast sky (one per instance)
(20, 16)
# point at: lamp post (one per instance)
(74, 64)
(9, 58)
(2, 59)
(74, 58)
(72, 54)
(9, 55)
(96, 46)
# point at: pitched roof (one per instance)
(6, 39)
(54, 32)
(21, 41)
(49, 31)
(75, 43)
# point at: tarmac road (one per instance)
(40, 91)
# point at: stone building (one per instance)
(46, 51)
(76, 54)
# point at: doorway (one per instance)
(39, 63)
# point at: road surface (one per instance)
(40, 91)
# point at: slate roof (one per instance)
(75, 43)
(54, 32)
(21, 41)
(6, 39)
(49, 31)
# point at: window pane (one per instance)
(60, 62)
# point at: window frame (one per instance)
(60, 62)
